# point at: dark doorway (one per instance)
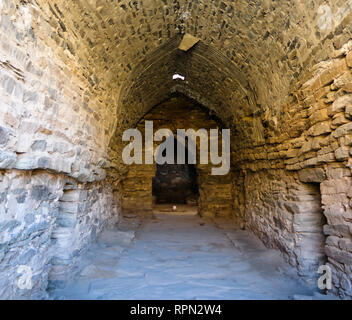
(176, 183)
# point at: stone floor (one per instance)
(178, 255)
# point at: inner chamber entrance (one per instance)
(176, 183)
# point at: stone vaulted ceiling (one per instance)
(75, 73)
(249, 56)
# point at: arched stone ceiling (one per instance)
(210, 78)
(251, 52)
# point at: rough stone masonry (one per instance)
(75, 74)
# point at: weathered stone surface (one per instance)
(343, 130)
(3, 135)
(7, 159)
(319, 116)
(339, 255)
(342, 154)
(28, 236)
(188, 41)
(312, 175)
(27, 240)
(82, 215)
(72, 196)
(340, 105)
(39, 145)
(320, 128)
(73, 76)
(349, 112)
(349, 59)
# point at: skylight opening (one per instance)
(178, 76)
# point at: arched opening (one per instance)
(75, 75)
(176, 183)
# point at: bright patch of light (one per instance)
(178, 76)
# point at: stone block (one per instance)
(39, 145)
(69, 207)
(335, 215)
(4, 136)
(60, 164)
(342, 154)
(8, 84)
(62, 147)
(26, 162)
(307, 146)
(349, 59)
(338, 173)
(343, 81)
(188, 42)
(66, 220)
(11, 119)
(340, 105)
(302, 207)
(319, 116)
(44, 163)
(71, 196)
(348, 112)
(30, 96)
(307, 223)
(339, 255)
(336, 186)
(316, 175)
(40, 193)
(320, 129)
(332, 241)
(343, 130)
(7, 159)
(337, 230)
(292, 153)
(339, 120)
(318, 142)
(345, 244)
(24, 143)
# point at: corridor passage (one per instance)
(179, 255)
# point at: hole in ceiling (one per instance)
(178, 76)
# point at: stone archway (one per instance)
(215, 192)
(75, 74)
(176, 183)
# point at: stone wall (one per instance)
(308, 146)
(46, 222)
(286, 214)
(215, 192)
(136, 188)
(28, 211)
(84, 211)
(55, 127)
(238, 196)
(75, 74)
(50, 116)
